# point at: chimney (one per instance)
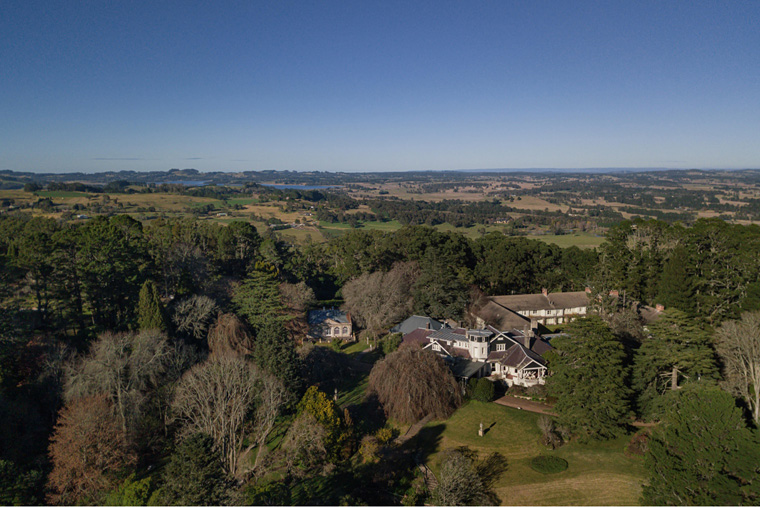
(588, 290)
(427, 325)
(526, 341)
(659, 307)
(544, 291)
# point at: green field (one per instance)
(581, 240)
(62, 193)
(598, 473)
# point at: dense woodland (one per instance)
(163, 362)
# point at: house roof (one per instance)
(418, 336)
(465, 369)
(448, 334)
(416, 322)
(319, 316)
(519, 357)
(501, 318)
(535, 302)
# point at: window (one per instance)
(501, 346)
(345, 330)
(327, 332)
(336, 332)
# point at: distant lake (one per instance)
(191, 183)
(299, 187)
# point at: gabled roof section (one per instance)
(416, 322)
(317, 317)
(535, 302)
(418, 336)
(500, 317)
(450, 335)
(519, 357)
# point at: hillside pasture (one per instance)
(597, 474)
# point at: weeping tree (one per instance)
(413, 383)
(229, 336)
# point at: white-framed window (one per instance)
(336, 331)
(328, 331)
(501, 347)
(345, 330)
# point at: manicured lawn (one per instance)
(581, 240)
(598, 473)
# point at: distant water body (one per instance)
(299, 187)
(187, 183)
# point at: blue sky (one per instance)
(375, 86)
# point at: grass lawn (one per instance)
(598, 473)
(581, 240)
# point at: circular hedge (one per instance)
(548, 464)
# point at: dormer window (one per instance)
(501, 347)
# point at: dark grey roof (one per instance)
(416, 322)
(462, 368)
(319, 316)
(450, 335)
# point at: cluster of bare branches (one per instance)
(378, 300)
(738, 344)
(127, 367)
(87, 447)
(217, 398)
(194, 316)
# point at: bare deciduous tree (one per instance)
(193, 316)
(229, 336)
(86, 448)
(378, 300)
(549, 432)
(738, 344)
(124, 366)
(459, 482)
(412, 383)
(216, 398)
(296, 296)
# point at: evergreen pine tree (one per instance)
(194, 475)
(589, 380)
(150, 312)
(274, 352)
(678, 351)
(676, 288)
(703, 453)
(258, 299)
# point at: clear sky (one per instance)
(378, 85)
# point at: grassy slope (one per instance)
(598, 474)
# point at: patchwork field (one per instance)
(597, 474)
